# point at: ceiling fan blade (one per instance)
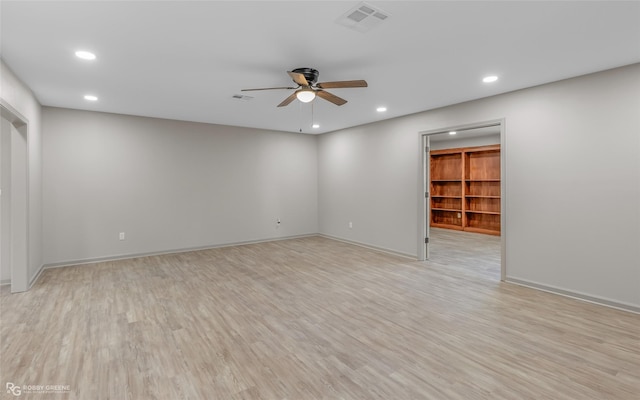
(331, 97)
(268, 88)
(342, 84)
(298, 78)
(288, 100)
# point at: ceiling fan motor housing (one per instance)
(310, 74)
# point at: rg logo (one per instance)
(13, 389)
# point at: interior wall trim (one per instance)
(412, 257)
(424, 225)
(95, 260)
(575, 295)
(36, 276)
(19, 280)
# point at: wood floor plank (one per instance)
(313, 318)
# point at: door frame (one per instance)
(19, 200)
(424, 211)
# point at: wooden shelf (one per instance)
(446, 188)
(465, 189)
(448, 168)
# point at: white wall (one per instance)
(169, 185)
(572, 161)
(572, 182)
(366, 174)
(20, 98)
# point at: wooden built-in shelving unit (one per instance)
(465, 189)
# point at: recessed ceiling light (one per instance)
(85, 55)
(452, 133)
(315, 126)
(381, 109)
(90, 97)
(489, 79)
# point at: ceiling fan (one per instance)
(308, 89)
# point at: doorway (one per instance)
(14, 200)
(487, 134)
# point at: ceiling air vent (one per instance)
(241, 97)
(362, 17)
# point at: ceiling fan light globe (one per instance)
(306, 96)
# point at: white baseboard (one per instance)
(32, 281)
(36, 277)
(164, 252)
(534, 285)
(413, 257)
(575, 295)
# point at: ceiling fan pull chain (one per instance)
(301, 115)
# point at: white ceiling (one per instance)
(185, 60)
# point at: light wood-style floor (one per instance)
(313, 318)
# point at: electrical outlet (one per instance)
(350, 225)
(121, 235)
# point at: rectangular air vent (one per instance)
(362, 17)
(241, 97)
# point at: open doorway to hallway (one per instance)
(14, 200)
(462, 213)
